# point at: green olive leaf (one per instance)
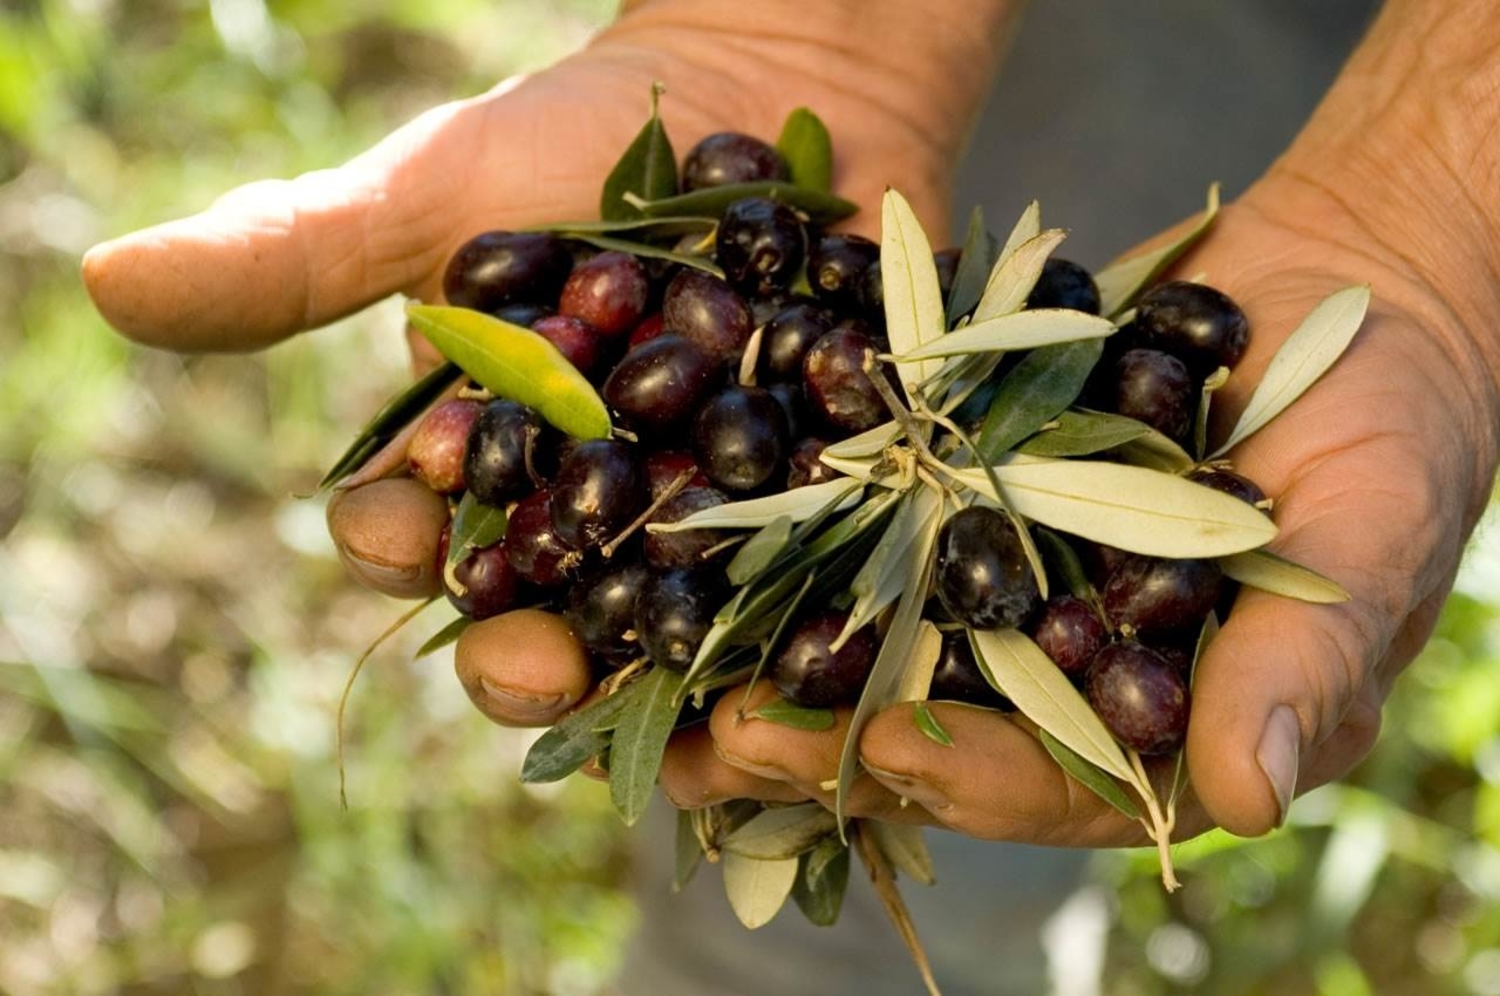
(443, 637)
(1020, 671)
(515, 363)
(975, 261)
(576, 738)
(757, 889)
(401, 411)
(639, 741)
(475, 526)
(647, 169)
(1022, 330)
(807, 149)
(824, 876)
(650, 251)
(795, 717)
(1134, 508)
(913, 297)
(1305, 356)
(1090, 775)
(757, 513)
(1013, 278)
(1035, 392)
(883, 577)
(904, 846)
(1083, 433)
(1062, 561)
(1265, 570)
(688, 852)
(644, 228)
(1122, 281)
(901, 640)
(760, 551)
(782, 833)
(928, 724)
(711, 202)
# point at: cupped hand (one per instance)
(1378, 474)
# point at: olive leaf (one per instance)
(784, 713)
(475, 526)
(913, 298)
(1022, 330)
(1062, 562)
(711, 202)
(395, 415)
(807, 149)
(881, 580)
(1136, 509)
(904, 847)
(1020, 671)
(576, 738)
(901, 640)
(1265, 570)
(1083, 433)
(929, 726)
(1121, 281)
(645, 249)
(975, 261)
(916, 679)
(757, 513)
(1012, 279)
(871, 442)
(443, 637)
(782, 833)
(1026, 228)
(1211, 383)
(760, 551)
(665, 227)
(1157, 452)
(821, 881)
(515, 363)
(648, 168)
(1035, 392)
(757, 889)
(1305, 356)
(640, 739)
(1090, 775)
(687, 853)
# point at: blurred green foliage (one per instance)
(175, 629)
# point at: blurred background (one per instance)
(175, 630)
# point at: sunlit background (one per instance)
(174, 630)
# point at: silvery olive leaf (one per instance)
(1122, 281)
(640, 739)
(1026, 228)
(1305, 356)
(913, 299)
(757, 513)
(757, 889)
(860, 469)
(1265, 570)
(916, 680)
(1136, 509)
(882, 578)
(1156, 451)
(901, 639)
(1211, 383)
(1090, 775)
(1021, 672)
(904, 846)
(1012, 279)
(1022, 330)
(974, 263)
(871, 442)
(782, 833)
(820, 885)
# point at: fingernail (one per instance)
(1277, 756)
(922, 793)
(521, 707)
(770, 771)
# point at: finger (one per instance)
(805, 759)
(387, 534)
(996, 782)
(693, 775)
(278, 256)
(522, 668)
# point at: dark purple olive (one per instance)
(600, 610)
(809, 673)
(1070, 632)
(1140, 697)
(659, 384)
(836, 268)
(609, 292)
(730, 157)
(600, 488)
(760, 245)
(665, 551)
(674, 612)
(982, 575)
(499, 268)
(1155, 388)
(1198, 324)
(1154, 596)
(1065, 284)
(740, 438)
(957, 676)
(708, 313)
(505, 446)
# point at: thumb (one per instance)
(279, 256)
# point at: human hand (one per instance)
(276, 257)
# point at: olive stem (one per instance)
(667, 494)
(1160, 825)
(898, 411)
